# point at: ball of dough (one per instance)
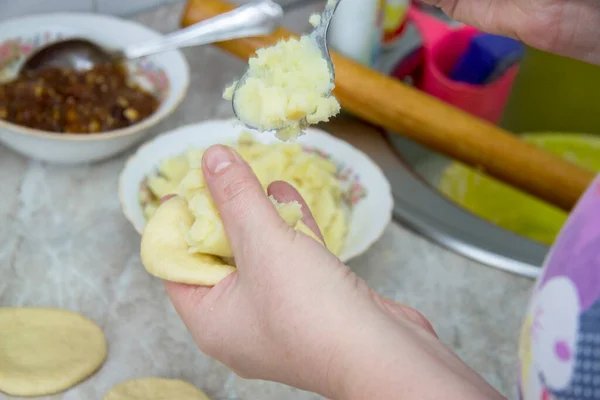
(155, 389)
(45, 351)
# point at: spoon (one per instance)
(318, 36)
(252, 19)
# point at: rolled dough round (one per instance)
(155, 389)
(44, 351)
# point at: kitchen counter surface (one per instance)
(64, 243)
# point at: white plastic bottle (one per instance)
(356, 30)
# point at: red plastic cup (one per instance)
(443, 45)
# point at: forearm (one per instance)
(376, 360)
(568, 28)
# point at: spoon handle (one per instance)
(291, 5)
(319, 34)
(252, 19)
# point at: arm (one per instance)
(569, 28)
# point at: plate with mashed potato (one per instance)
(346, 191)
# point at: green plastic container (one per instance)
(554, 94)
(510, 208)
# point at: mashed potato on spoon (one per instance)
(287, 88)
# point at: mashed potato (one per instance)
(312, 175)
(315, 20)
(287, 88)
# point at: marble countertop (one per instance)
(64, 243)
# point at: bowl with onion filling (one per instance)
(65, 116)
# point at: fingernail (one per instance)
(217, 158)
(167, 197)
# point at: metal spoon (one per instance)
(319, 37)
(252, 19)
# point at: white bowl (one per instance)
(370, 190)
(166, 74)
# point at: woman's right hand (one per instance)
(567, 27)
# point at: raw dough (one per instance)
(155, 389)
(166, 254)
(286, 88)
(44, 351)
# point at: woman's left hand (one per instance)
(293, 313)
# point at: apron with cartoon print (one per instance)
(559, 350)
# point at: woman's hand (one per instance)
(566, 27)
(293, 313)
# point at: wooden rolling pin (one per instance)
(394, 106)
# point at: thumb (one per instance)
(490, 15)
(249, 217)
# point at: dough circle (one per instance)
(45, 351)
(155, 389)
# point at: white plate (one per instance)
(373, 202)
